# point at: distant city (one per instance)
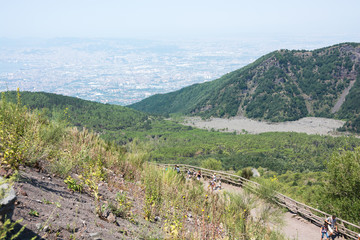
(124, 71)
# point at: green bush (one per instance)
(246, 173)
(212, 164)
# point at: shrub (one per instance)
(246, 173)
(212, 164)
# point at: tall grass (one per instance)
(186, 209)
(191, 212)
(30, 138)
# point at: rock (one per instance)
(255, 172)
(7, 203)
(6, 173)
(157, 219)
(3, 172)
(111, 218)
(95, 236)
(123, 231)
(46, 228)
(83, 222)
(38, 226)
(22, 192)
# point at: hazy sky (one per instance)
(179, 19)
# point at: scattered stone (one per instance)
(46, 228)
(6, 173)
(22, 192)
(111, 218)
(43, 178)
(38, 226)
(83, 222)
(3, 172)
(7, 203)
(95, 236)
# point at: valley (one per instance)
(243, 125)
(263, 116)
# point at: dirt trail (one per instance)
(295, 227)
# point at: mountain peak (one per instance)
(280, 86)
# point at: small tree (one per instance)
(212, 164)
(344, 169)
(246, 173)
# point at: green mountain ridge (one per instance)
(107, 119)
(283, 85)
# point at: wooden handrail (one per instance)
(281, 199)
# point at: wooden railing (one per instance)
(311, 214)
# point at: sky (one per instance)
(161, 19)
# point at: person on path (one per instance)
(332, 226)
(324, 231)
(212, 185)
(198, 175)
(219, 183)
(189, 173)
(177, 168)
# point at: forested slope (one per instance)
(107, 119)
(280, 86)
(172, 142)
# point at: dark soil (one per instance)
(64, 214)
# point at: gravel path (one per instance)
(295, 227)
(309, 125)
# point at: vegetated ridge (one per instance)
(106, 119)
(73, 185)
(173, 143)
(280, 86)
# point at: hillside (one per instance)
(82, 112)
(280, 86)
(73, 185)
(172, 142)
(108, 120)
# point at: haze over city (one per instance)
(123, 51)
